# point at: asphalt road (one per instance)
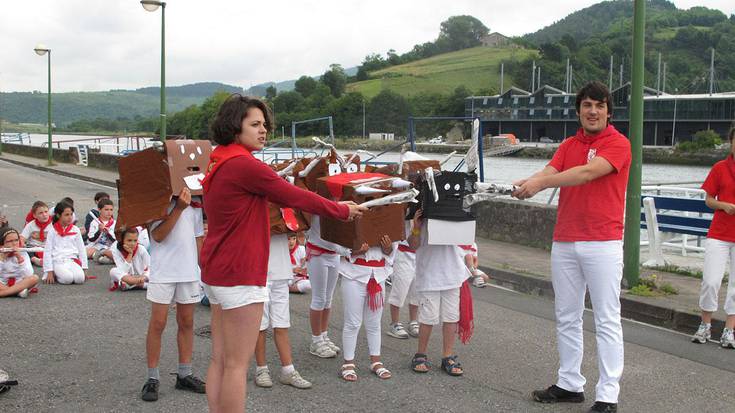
(82, 348)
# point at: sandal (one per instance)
(451, 366)
(348, 372)
(381, 371)
(420, 360)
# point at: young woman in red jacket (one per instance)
(234, 257)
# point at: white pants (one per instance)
(356, 310)
(275, 310)
(597, 266)
(716, 254)
(323, 282)
(116, 276)
(402, 280)
(68, 272)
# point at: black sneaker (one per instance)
(150, 391)
(603, 407)
(191, 383)
(555, 394)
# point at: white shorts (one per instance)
(402, 280)
(276, 311)
(236, 296)
(433, 304)
(167, 293)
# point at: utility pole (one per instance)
(533, 76)
(566, 78)
(363, 117)
(502, 72)
(571, 78)
(632, 237)
(621, 72)
(712, 72)
(658, 76)
(538, 83)
(609, 82)
(664, 80)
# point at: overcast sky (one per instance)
(115, 44)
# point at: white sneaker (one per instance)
(104, 260)
(479, 282)
(294, 379)
(24, 294)
(413, 329)
(397, 330)
(263, 378)
(728, 338)
(332, 346)
(703, 334)
(322, 350)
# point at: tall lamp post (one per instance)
(153, 5)
(42, 50)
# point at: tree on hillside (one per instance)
(290, 101)
(387, 112)
(460, 32)
(347, 112)
(305, 85)
(335, 79)
(270, 92)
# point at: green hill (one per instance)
(30, 107)
(476, 68)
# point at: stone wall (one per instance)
(517, 222)
(95, 159)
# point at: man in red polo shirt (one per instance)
(591, 168)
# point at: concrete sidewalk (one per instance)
(518, 267)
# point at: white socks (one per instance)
(316, 339)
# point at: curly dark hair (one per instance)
(228, 122)
(597, 91)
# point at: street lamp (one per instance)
(41, 50)
(153, 5)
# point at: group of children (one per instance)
(299, 263)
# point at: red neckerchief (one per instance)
(586, 139)
(730, 161)
(195, 204)
(63, 232)
(29, 217)
(125, 253)
(291, 253)
(219, 156)
(109, 222)
(42, 228)
(468, 248)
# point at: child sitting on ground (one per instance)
(300, 283)
(65, 256)
(93, 213)
(101, 234)
(479, 278)
(16, 273)
(36, 231)
(132, 262)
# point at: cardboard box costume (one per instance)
(149, 179)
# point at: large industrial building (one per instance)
(549, 112)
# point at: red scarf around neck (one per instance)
(63, 232)
(42, 228)
(291, 253)
(219, 156)
(125, 253)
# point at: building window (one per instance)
(515, 100)
(515, 113)
(500, 101)
(530, 101)
(566, 99)
(548, 112)
(566, 112)
(548, 100)
(484, 102)
(530, 112)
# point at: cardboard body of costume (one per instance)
(374, 224)
(286, 220)
(150, 178)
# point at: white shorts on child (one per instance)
(275, 310)
(167, 293)
(436, 304)
(236, 296)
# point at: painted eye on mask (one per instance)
(447, 187)
(182, 149)
(456, 187)
(334, 169)
(351, 168)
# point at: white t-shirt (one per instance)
(438, 267)
(30, 228)
(300, 256)
(102, 239)
(140, 265)
(59, 250)
(279, 259)
(176, 258)
(9, 268)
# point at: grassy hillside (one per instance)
(476, 68)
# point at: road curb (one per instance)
(661, 316)
(62, 173)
